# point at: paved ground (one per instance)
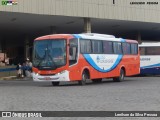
(133, 94)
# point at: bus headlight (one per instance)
(36, 74)
(61, 72)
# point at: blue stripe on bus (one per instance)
(122, 40)
(7, 69)
(153, 71)
(94, 65)
(150, 66)
(76, 36)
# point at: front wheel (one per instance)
(55, 83)
(121, 77)
(84, 79)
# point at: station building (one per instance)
(21, 21)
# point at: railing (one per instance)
(6, 71)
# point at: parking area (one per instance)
(133, 94)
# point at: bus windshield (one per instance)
(49, 54)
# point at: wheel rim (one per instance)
(122, 75)
(84, 78)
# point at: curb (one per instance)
(9, 78)
(15, 78)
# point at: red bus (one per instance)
(78, 57)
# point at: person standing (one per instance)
(28, 67)
(19, 70)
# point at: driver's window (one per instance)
(73, 51)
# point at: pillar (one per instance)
(139, 39)
(26, 47)
(87, 25)
(0, 44)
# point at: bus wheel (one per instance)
(55, 83)
(99, 80)
(84, 79)
(121, 77)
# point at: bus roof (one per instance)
(149, 44)
(93, 36)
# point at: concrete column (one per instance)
(53, 29)
(139, 37)
(0, 44)
(26, 47)
(87, 25)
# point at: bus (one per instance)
(149, 58)
(81, 57)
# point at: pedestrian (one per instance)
(23, 69)
(28, 68)
(19, 70)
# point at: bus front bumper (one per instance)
(62, 76)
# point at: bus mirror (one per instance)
(70, 51)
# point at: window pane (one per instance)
(73, 51)
(134, 48)
(142, 50)
(97, 46)
(152, 50)
(126, 48)
(85, 46)
(73, 42)
(117, 48)
(107, 47)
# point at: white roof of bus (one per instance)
(149, 44)
(96, 36)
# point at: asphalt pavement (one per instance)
(133, 94)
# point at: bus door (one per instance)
(73, 60)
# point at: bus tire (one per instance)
(55, 83)
(99, 80)
(84, 78)
(121, 77)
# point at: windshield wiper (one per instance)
(45, 58)
(52, 60)
(41, 60)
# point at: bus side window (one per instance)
(134, 48)
(73, 51)
(85, 46)
(117, 47)
(142, 50)
(152, 50)
(97, 46)
(126, 48)
(107, 47)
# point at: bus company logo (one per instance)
(145, 59)
(103, 59)
(9, 2)
(98, 58)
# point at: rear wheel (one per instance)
(121, 77)
(84, 79)
(99, 80)
(55, 83)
